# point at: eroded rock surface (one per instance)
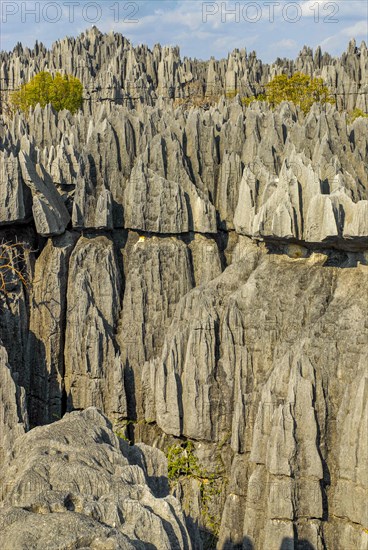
(78, 487)
(13, 411)
(200, 275)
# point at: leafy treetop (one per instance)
(300, 88)
(63, 92)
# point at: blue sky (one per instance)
(200, 29)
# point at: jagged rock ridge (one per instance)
(196, 274)
(111, 68)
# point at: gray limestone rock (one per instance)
(93, 367)
(13, 412)
(45, 346)
(233, 362)
(154, 204)
(49, 212)
(210, 288)
(77, 487)
(15, 199)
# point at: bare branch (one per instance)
(12, 265)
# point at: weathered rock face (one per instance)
(255, 359)
(13, 411)
(15, 204)
(265, 174)
(93, 368)
(198, 275)
(80, 486)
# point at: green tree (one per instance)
(357, 113)
(248, 100)
(301, 89)
(63, 92)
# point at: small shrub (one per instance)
(357, 113)
(121, 435)
(248, 100)
(63, 92)
(231, 94)
(301, 89)
(182, 463)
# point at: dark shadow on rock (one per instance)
(190, 212)
(247, 544)
(292, 544)
(159, 485)
(179, 386)
(193, 530)
(27, 359)
(129, 385)
(209, 539)
(287, 543)
(230, 545)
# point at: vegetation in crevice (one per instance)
(183, 464)
(12, 266)
(357, 113)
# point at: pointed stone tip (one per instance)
(352, 45)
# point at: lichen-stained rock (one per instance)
(93, 367)
(15, 198)
(78, 485)
(13, 411)
(49, 212)
(45, 354)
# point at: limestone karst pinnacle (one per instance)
(196, 274)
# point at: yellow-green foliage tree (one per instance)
(301, 89)
(63, 92)
(357, 113)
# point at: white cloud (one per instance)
(181, 22)
(359, 29)
(285, 43)
(333, 42)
